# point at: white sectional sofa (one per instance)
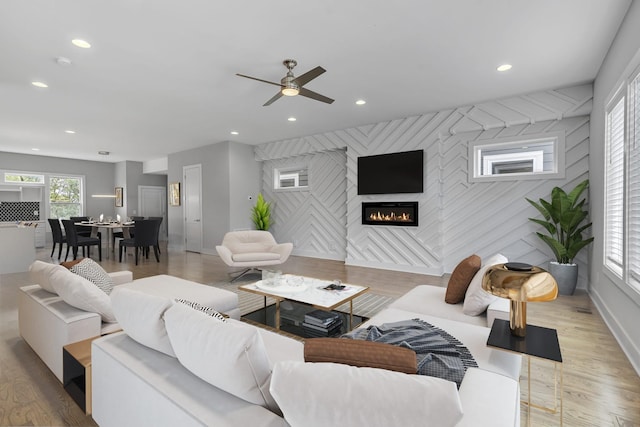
(47, 322)
(140, 384)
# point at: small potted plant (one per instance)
(563, 221)
(261, 214)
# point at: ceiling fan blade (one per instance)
(309, 75)
(272, 100)
(260, 80)
(313, 95)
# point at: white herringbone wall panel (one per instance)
(456, 217)
(313, 219)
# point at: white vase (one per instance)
(566, 276)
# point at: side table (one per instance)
(539, 342)
(76, 372)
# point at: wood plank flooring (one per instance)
(600, 386)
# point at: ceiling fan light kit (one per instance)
(291, 85)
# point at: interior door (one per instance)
(193, 207)
(152, 201)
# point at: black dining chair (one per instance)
(120, 234)
(146, 237)
(159, 219)
(83, 231)
(56, 234)
(74, 241)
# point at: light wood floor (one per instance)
(600, 386)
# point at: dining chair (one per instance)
(83, 231)
(146, 236)
(159, 219)
(74, 241)
(120, 234)
(58, 237)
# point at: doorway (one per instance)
(193, 207)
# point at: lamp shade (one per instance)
(520, 283)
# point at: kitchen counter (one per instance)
(17, 250)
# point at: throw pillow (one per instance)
(361, 353)
(69, 264)
(141, 316)
(40, 274)
(228, 355)
(477, 299)
(81, 293)
(331, 394)
(461, 278)
(203, 308)
(93, 272)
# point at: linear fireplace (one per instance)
(390, 213)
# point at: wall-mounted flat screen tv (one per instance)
(391, 173)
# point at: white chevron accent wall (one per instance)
(457, 217)
(313, 219)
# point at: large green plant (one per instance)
(261, 214)
(562, 219)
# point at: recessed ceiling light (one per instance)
(40, 84)
(361, 102)
(504, 67)
(70, 131)
(235, 132)
(81, 43)
(292, 119)
(35, 149)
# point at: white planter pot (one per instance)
(566, 276)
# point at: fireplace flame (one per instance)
(402, 217)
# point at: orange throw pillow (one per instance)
(361, 353)
(69, 264)
(460, 279)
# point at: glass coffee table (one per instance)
(301, 296)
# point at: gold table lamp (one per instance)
(520, 283)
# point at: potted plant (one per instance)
(261, 214)
(563, 220)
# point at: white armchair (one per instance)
(252, 249)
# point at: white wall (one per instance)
(619, 305)
(457, 218)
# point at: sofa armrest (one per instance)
(120, 277)
(225, 254)
(499, 309)
(489, 399)
(284, 249)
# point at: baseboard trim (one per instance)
(628, 347)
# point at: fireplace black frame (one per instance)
(387, 207)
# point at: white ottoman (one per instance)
(174, 287)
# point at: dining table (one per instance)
(110, 227)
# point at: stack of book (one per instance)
(319, 323)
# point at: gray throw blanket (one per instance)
(438, 353)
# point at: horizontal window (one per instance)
(291, 178)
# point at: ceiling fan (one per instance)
(292, 86)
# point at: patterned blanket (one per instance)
(438, 353)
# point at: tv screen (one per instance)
(391, 173)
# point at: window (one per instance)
(65, 196)
(525, 157)
(291, 178)
(622, 184)
(21, 178)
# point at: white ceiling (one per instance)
(160, 76)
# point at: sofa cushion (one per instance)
(228, 355)
(330, 394)
(141, 316)
(361, 353)
(81, 293)
(93, 272)
(477, 299)
(40, 274)
(461, 278)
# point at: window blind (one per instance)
(614, 187)
(633, 209)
